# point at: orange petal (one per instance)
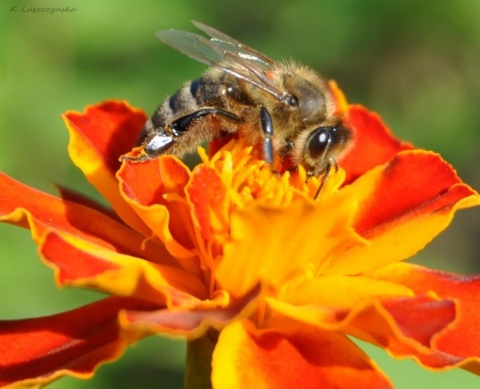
(112, 128)
(373, 143)
(79, 198)
(207, 195)
(419, 318)
(81, 263)
(154, 189)
(402, 206)
(407, 326)
(379, 321)
(458, 342)
(30, 208)
(39, 351)
(305, 357)
(195, 321)
(98, 137)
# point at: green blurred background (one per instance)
(416, 63)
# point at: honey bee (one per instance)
(287, 107)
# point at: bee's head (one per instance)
(322, 146)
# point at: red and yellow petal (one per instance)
(41, 212)
(407, 326)
(73, 196)
(413, 321)
(301, 357)
(98, 137)
(401, 207)
(193, 322)
(458, 342)
(112, 129)
(38, 351)
(373, 143)
(83, 264)
(155, 191)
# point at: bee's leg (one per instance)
(164, 140)
(181, 125)
(267, 128)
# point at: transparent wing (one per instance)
(227, 54)
(234, 46)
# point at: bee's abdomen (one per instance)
(180, 103)
(192, 96)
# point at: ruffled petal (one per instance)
(402, 206)
(98, 137)
(38, 351)
(112, 128)
(195, 321)
(30, 208)
(373, 143)
(409, 320)
(155, 190)
(301, 357)
(402, 325)
(82, 264)
(79, 198)
(458, 344)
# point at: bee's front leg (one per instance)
(267, 128)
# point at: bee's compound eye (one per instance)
(158, 144)
(319, 141)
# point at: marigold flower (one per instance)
(266, 283)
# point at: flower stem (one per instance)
(198, 366)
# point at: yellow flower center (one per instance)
(250, 182)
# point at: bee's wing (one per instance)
(233, 45)
(227, 54)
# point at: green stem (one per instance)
(198, 365)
